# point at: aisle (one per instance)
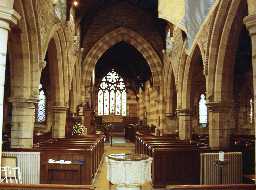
(119, 146)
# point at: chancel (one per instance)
(127, 94)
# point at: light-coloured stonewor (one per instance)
(250, 22)
(168, 100)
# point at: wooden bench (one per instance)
(82, 156)
(174, 161)
(85, 153)
(175, 165)
(44, 186)
(213, 187)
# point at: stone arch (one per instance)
(57, 64)
(132, 38)
(224, 31)
(227, 50)
(23, 46)
(170, 95)
(187, 78)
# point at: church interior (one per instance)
(127, 94)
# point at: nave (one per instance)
(72, 68)
(120, 145)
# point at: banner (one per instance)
(171, 10)
(195, 13)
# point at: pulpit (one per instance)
(128, 170)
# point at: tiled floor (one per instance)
(119, 146)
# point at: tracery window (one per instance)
(112, 95)
(203, 114)
(41, 106)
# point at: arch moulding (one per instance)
(129, 36)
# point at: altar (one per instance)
(128, 171)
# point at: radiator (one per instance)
(29, 163)
(210, 172)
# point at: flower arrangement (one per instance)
(79, 129)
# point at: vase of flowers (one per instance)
(79, 129)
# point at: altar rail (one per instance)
(44, 186)
(212, 187)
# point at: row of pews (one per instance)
(14, 186)
(213, 187)
(84, 155)
(178, 162)
(174, 161)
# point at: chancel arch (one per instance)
(114, 37)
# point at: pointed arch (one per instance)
(227, 50)
(225, 35)
(187, 78)
(114, 37)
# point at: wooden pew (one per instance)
(175, 165)
(44, 186)
(97, 141)
(71, 145)
(213, 187)
(86, 151)
(246, 145)
(174, 161)
(79, 156)
(140, 141)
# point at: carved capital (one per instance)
(250, 22)
(184, 112)
(59, 108)
(8, 16)
(42, 64)
(219, 106)
(23, 102)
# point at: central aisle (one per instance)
(119, 146)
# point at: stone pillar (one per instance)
(220, 124)
(7, 17)
(59, 121)
(23, 119)
(250, 22)
(185, 124)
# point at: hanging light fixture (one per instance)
(75, 3)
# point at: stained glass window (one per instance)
(203, 114)
(112, 95)
(41, 106)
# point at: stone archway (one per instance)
(192, 73)
(57, 57)
(220, 47)
(220, 80)
(132, 38)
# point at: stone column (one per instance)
(185, 123)
(7, 17)
(23, 119)
(59, 121)
(250, 22)
(220, 124)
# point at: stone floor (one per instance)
(119, 146)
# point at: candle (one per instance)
(221, 156)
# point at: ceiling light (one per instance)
(75, 3)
